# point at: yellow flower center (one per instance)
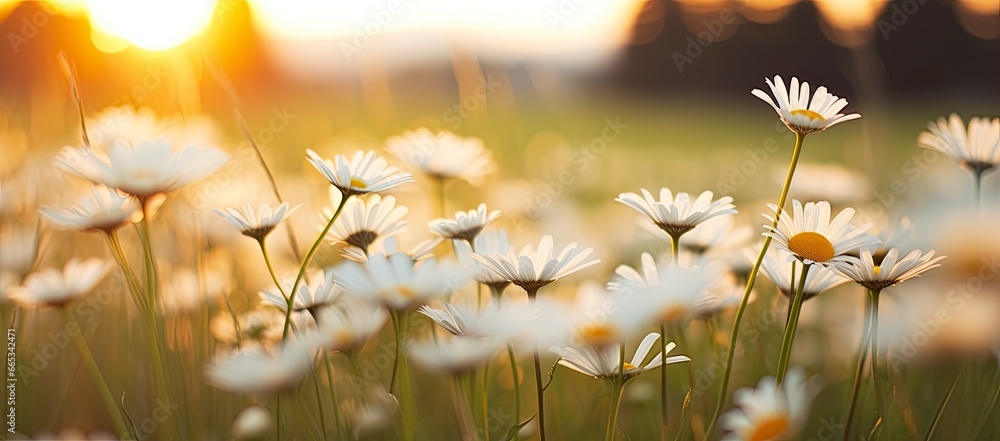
(812, 115)
(672, 314)
(597, 335)
(811, 245)
(877, 269)
(405, 291)
(769, 429)
(628, 367)
(359, 184)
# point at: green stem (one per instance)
(307, 260)
(664, 414)
(277, 417)
(790, 327)
(617, 385)
(986, 416)
(539, 388)
(95, 373)
(130, 278)
(880, 400)
(859, 370)
(517, 387)
(978, 174)
(751, 279)
(485, 401)
(333, 393)
(405, 391)
(270, 269)
(319, 403)
(941, 407)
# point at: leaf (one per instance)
(517, 427)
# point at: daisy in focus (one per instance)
(52, 287)
(812, 238)
(890, 271)
(256, 224)
(678, 214)
(443, 155)
(603, 362)
(365, 220)
(801, 114)
(104, 210)
(466, 225)
(771, 411)
(363, 173)
(533, 269)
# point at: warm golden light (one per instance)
(151, 24)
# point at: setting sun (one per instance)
(152, 24)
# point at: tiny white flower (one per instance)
(801, 114)
(603, 362)
(977, 148)
(105, 210)
(256, 224)
(678, 214)
(453, 355)
(363, 173)
(466, 225)
(144, 170)
(533, 269)
(397, 282)
(443, 155)
(311, 296)
(771, 411)
(257, 370)
(365, 219)
(890, 271)
(52, 287)
(812, 238)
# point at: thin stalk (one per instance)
(485, 401)
(539, 388)
(617, 385)
(978, 175)
(859, 370)
(130, 278)
(270, 270)
(319, 404)
(517, 387)
(879, 399)
(751, 279)
(790, 327)
(307, 260)
(986, 416)
(277, 417)
(465, 424)
(664, 413)
(940, 409)
(95, 374)
(333, 393)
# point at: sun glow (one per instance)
(154, 25)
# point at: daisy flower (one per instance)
(364, 173)
(977, 148)
(771, 411)
(311, 296)
(777, 267)
(603, 362)
(891, 271)
(813, 238)
(454, 355)
(678, 214)
(253, 422)
(397, 282)
(104, 210)
(349, 325)
(147, 169)
(366, 219)
(487, 243)
(256, 370)
(663, 292)
(532, 269)
(52, 287)
(123, 123)
(390, 245)
(800, 114)
(494, 323)
(466, 225)
(256, 224)
(443, 155)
